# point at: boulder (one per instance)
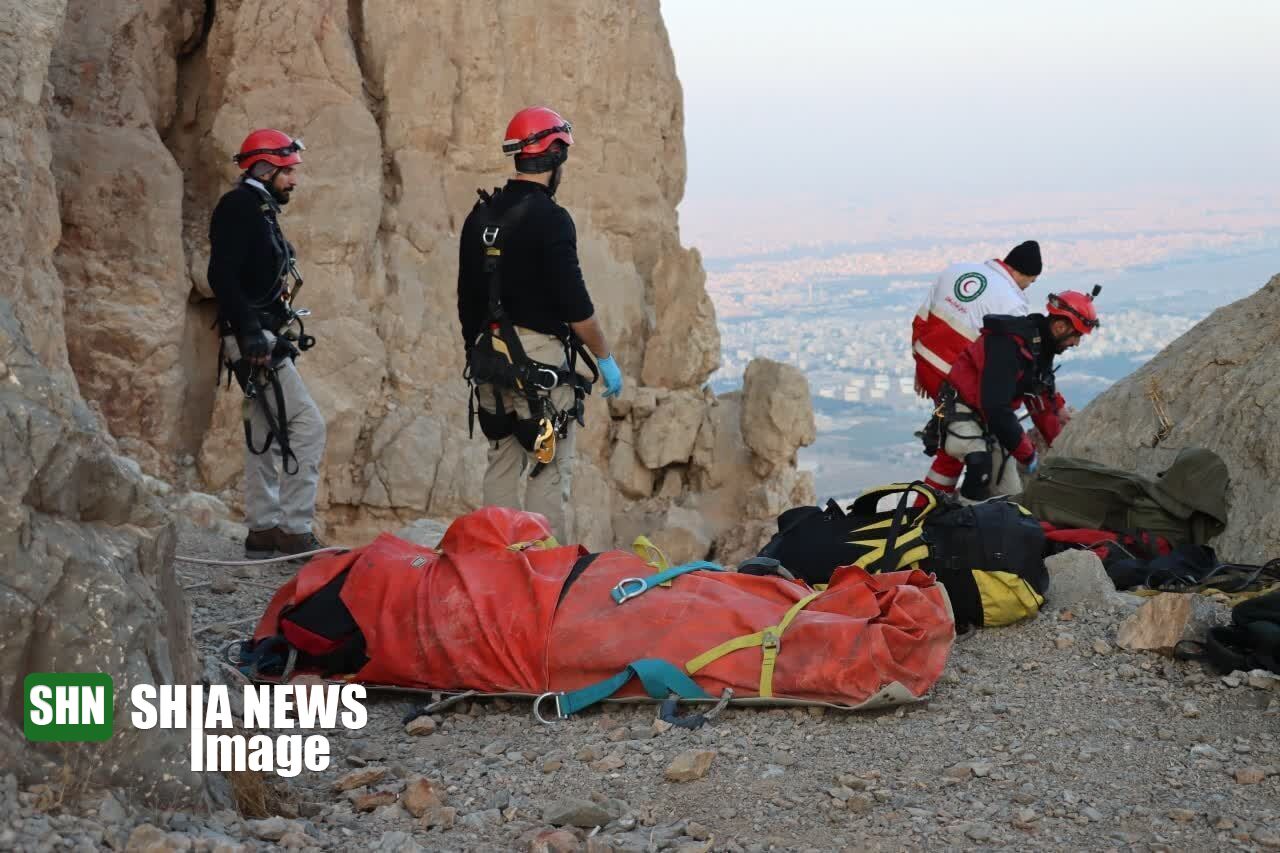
(1077, 578)
(1168, 618)
(777, 412)
(1191, 394)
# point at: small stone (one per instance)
(271, 829)
(1234, 679)
(1092, 814)
(1101, 647)
(980, 832)
(1066, 616)
(860, 803)
(551, 765)
(1250, 775)
(618, 734)
(1268, 839)
(422, 795)
(697, 831)
(296, 841)
(420, 726)
(609, 763)
(360, 778)
(958, 771)
(481, 819)
(575, 812)
(371, 801)
(1261, 679)
(441, 816)
(1224, 823)
(222, 585)
(555, 841)
(1182, 815)
(690, 765)
(1163, 733)
(1189, 709)
(589, 754)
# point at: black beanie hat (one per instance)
(1025, 258)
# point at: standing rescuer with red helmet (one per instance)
(251, 265)
(528, 323)
(975, 429)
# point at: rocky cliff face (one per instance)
(1215, 387)
(86, 578)
(402, 105)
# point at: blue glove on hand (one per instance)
(1033, 463)
(612, 376)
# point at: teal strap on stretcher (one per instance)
(629, 588)
(660, 679)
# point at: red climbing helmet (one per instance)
(533, 129)
(272, 146)
(1076, 307)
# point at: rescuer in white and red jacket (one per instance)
(951, 316)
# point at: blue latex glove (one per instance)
(612, 375)
(1033, 463)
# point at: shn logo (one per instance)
(64, 706)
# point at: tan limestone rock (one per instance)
(668, 435)
(1164, 620)
(777, 413)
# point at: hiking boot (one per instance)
(262, 544)
(297, 543)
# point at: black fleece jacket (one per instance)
(246, 258)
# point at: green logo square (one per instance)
(67, 706)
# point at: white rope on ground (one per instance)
(285, 559)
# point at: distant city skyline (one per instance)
(923, 108)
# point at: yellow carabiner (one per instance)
(544, 447)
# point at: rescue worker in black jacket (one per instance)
(522, 301)
(250, 265)
(1011, 364)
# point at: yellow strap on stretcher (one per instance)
(651, 554)
(769, 640)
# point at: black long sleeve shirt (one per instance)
(542, 285)
(246, 258)
(1008, 375)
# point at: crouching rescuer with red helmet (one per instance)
(528, 323)
(975, 429)
(253, 273)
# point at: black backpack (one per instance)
(989, 556)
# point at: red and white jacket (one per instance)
(951, 316)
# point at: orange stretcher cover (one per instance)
(487, 611)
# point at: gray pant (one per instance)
(968, 438)
(273, 498)
(547, 493)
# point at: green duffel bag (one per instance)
(1186, 504)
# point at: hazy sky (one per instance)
(873, 99)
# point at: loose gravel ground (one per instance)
(1040, 736)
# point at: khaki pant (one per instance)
(965, 437)
(273, 498)
(547, 493)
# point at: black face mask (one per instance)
(554, 183)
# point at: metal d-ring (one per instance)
(537, 705)
(624, 595)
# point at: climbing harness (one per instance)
(498, 358)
